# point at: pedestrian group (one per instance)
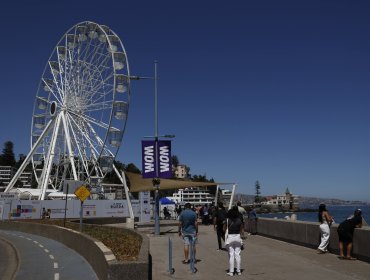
(229, 227)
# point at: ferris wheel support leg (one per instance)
(70, 152)
(28, 158)
(50, 157)
(123, 180)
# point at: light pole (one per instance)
(156, 181)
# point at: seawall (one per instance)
(308, 234)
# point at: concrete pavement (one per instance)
(263, 259)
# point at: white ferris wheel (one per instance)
(80, 109)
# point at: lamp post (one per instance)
(156, 181)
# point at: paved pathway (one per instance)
(263, 259)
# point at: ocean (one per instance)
(340, 213)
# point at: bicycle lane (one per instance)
(44, 258)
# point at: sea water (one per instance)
(339, 212)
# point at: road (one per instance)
(35, 257)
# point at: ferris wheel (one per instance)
(81, 108)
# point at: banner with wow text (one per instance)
(152, 160)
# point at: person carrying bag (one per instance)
(233, 228)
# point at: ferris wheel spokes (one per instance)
(68, 140)
(55, 72)
(83, 156)
(49, 159)
(93, 151)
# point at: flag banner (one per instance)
(164, 159)
(148, 160)
(156, 161)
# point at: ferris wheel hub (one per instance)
(53, 108)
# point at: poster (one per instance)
(144, 198)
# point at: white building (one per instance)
(180, 171)
(26, 179)
(6, 174)
(195, 196)
(226, 194)
(287, 200)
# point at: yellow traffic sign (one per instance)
(82, 193)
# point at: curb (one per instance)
(100, 257)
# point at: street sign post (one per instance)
(82, 193)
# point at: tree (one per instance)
(175, 161)
(257, 197)
(132, 168)
(119, 165)
(18, 164)
(7, 158)
(200, 178)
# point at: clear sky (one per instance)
(274, 91)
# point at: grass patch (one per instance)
(124, 243)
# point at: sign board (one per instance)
(156, 159)
(23, 209)
(144, 198)
(71, 185)
(82, 193)
(32, 209)
(4, 195)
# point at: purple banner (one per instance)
(164, 159)
(148, 161)
(156, 164)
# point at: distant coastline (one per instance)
(339, 212)
(310, 202)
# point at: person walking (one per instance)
(345, 233)
(218, 223)
(188, 228)
(178, 211)
(205, 215)
(166, 213)
(325, 222)
(252, 221)
(233, 227)
(242, 213)
(241, 209)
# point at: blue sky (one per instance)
(274, 91)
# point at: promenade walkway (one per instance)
(263, 259)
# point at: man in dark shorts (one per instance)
(188, 228)
(345, 234)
